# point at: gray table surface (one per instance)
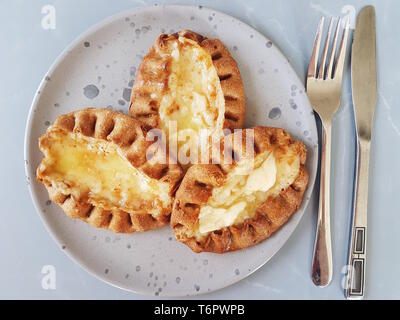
(28, 50)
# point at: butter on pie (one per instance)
(224, 207)
(95, 168)
(191, 81)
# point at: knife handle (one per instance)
(355, 281)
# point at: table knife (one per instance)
(364, 88)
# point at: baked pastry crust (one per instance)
(199, 181)
(129, 137)
(151, 80)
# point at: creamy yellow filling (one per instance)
(194, 99)
(92, 167)
(246, 187)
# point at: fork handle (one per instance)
(355, 279)
(322, 256)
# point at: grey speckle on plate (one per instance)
(85, 75)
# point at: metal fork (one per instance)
(324, 89)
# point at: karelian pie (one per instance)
(192, 82)
(95, 168)
(229, 206)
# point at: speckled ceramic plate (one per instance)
(98, 70)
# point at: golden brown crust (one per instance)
(152, 80)
(199, 181)
(129, 136)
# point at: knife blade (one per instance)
(364, 91)
(363, 71)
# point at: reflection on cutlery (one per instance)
(363, 74)
(324, 89)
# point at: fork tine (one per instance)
(333, 50)
(321, 74)
(312, 68)
(342, 51)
